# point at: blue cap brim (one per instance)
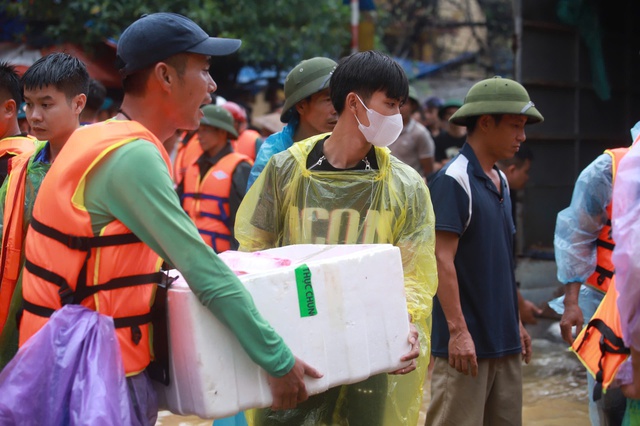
(214, 46)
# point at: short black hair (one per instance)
(10, 84)
(366, 73)
(96, 95)
(66, 73)
(521, 157)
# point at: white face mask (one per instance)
(383, 130)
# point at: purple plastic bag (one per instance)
(626, 233)
(69, 373)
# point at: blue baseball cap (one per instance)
(157, 36)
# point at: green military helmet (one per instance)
(497, 95)
(308, 77)
(218, 117)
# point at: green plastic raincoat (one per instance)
(290, 204)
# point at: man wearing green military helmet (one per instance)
(478, 339)
(218, 174)
(307, 109)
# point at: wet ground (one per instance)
(555, 385)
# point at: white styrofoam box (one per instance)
(360, 327)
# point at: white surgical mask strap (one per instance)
(365, 107)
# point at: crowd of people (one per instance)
(94, 212)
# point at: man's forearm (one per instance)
(449, 297)
(571, 294)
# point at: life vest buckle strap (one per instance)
(136, 334)
(38, 310)
(65, 291)
(605, 244)
(66, 296)
(79, 243)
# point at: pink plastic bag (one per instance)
(69, 373)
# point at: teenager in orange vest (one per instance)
(54, 89)
(107, 215)
(12, 141)
(214, 185)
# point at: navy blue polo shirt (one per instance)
(467, 203)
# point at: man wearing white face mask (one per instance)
(345, 188)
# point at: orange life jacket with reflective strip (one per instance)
(187, 155)
(206, 200)
(246, 143)
(113, 273)
(601, 277)
(13, 233)
(17, 145)
(599, 346)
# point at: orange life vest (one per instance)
(599, 346)
(601, 277)
(113, 273)
(246, 143)
(16, 145)
(187, 154)
(206, 200)
(13, 233)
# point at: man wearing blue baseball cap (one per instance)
(112, 188)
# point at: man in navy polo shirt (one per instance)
(478, 339)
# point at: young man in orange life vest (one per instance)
(12, 141)
(54, 89)
(214, 185)
(108, 206)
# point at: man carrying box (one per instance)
(345, 188)
(107, 215)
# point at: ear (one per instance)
(9, 108)
(163, 75)
(351, 102)
(485, 122)
(300, 107)
(78, 102)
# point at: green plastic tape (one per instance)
(306, 298)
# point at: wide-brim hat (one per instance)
(158, 36)
(218, 117)
(308, 77)
(497, 95)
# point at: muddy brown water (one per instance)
(554, 386)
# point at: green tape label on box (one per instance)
(306, 298)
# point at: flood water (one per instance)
(554, 384)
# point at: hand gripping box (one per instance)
(340, 308)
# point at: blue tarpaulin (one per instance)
(418, 69)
